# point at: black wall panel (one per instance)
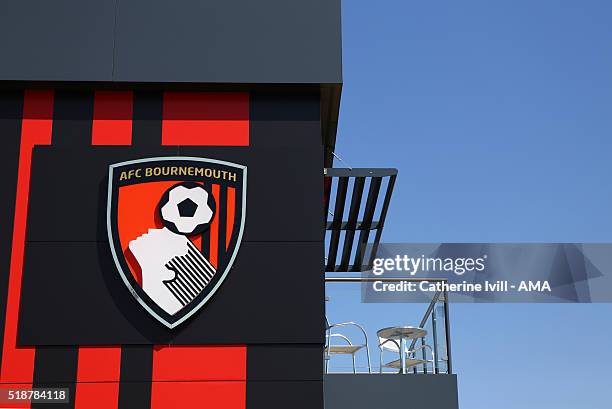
(59, 40)
(72, 118)
(287, 394)
(272, 299)
(231, 41)
(288, 362)
(366, 391)
(197, 41)
(147, 118)
(284, 190)
(283, 120)
(56, 367)
(285, 107)
(72, 295)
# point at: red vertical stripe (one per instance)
(206, 118)
(99, 395)
(184, 395)
(101, 365)
(112, 122)
(200, 363)
(214, 229)
(18, 362)
(197, 241)
(231, 214)
(183, 376)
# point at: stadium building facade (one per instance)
(236, 104)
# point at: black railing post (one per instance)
(434, 334)
(449, 360)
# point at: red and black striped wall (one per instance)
(67, 320)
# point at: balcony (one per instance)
(363, 366)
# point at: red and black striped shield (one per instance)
(174, 227)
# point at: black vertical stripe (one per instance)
(268, 362)
(285, 394)
(206, 244)
(176, 292)
(72, 118)
(202, 261)
(206, 234)
(181, 290)
(192, 275)
(147, 118)
(197, 269)
(191, 291)
(56, 367)
(173, 291)
(136, 376)
(191, 271)
(272, 384)
(222, 209)
(11, 111)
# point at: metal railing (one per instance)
(437, 309)
(431, 313)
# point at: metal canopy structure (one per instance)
(348, 212)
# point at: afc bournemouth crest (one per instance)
(174, 227)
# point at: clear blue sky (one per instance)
(498, 115)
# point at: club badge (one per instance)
(174, 227)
